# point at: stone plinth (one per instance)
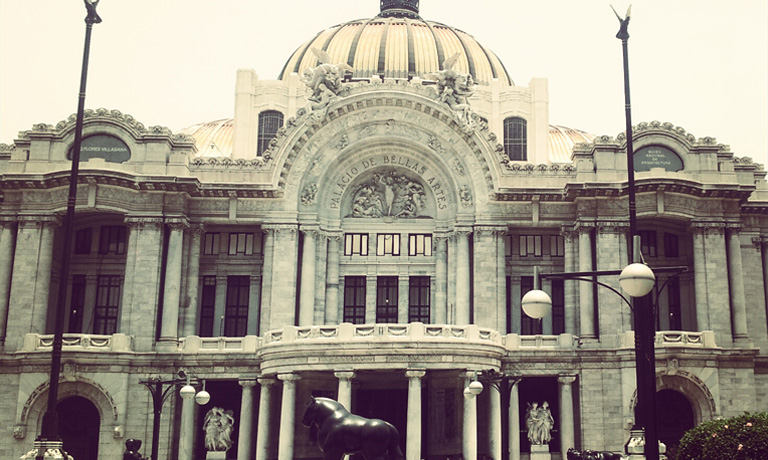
(215, 455)
(540, 452)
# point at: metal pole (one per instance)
(157, 403)
(49, 431)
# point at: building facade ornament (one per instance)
(309, 194)
(388, 194)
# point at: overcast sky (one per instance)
(701, 65)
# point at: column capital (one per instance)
(569, 234)
(461, 232)
(415, 374)
(616, 226)
(310, 231)
(197, 228)
(566, 379)
(247, 383)
(177, 223)
(8, 221)
(266, 381)
(707, 228)
(584, 226)
(140, 222)
(278, 228)
(38, 221)
(289, 377)
(733, 227)
(344, 375)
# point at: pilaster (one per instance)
(736, 281)
(413, 443)
(586, 292)
(567, 431)
(332, 315)
(7, 247)
(283, 280)
(441, 281)
(287, 416)
(463, 280)
(169, 332)
(307, 294)
(570, 287)
(245, 432)
(265, 424)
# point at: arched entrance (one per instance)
(79, 423)
(674, 416)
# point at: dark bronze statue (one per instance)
(90, 7)
(574, 454)
(132, 447)
(340, 432)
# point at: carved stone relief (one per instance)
(388, 194)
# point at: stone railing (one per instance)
(413, 332)
(670, 339)
(195, 344)
(79, 342)
(541, 342)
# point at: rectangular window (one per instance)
(236, 312)
(556, 246)
(211, 243)
(418, 299)
(354, 299)
(112, 239)
(673, 301)
(241, 243)
(671, 248)
(419, 244)
(388, 244)
(558, 307)
(386, 299)
(648, 243)
(356, 244)
(83, 239)
(76, 304)
(530, 245)
(528, 325)
(207, 306)
(107, 304)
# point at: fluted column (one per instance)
(192, 286)
(441, 280)
(266, 278)
(413, 430)
(570, 295)
(307, 293)
(287, 416)
(469, 427)
(7, 246)
(494, 414)
(264, 424)
(586, 294)
(700, 279)
(345, 388)
(514, 420)
(332, 315)
(736, 280)
(567, 433)
(462, 277)
(169, 331)
(245, 433)
(187, 430)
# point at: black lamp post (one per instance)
(49, 439)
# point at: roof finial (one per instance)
(399, 8)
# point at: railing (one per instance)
(79, 342)
(541, 342)
(195, 344)
(671, 339)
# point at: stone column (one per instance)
(462, 277)
(441, 280)
(586, 294)
(282, 310)
(413, 430)
(469, 427)
(193, 281)
(345, 388)
(514, 420)
(494, 425)
(567, 434)
(245, 433)
(7, 246)
(266, 278)
(169, 331)
(501, 278)
(718, 292)
(611, 255)
(307, 295)
(264, 423)
(736, 280)
(287, 416)
(187, 430)
(570, 287)
(700, 279)
(332, 315)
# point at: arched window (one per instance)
(516, 138)
(269, 122)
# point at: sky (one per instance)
(701, 65)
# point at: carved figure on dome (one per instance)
(324, 81)
(218, 426)
(454, 89)
(388, 195)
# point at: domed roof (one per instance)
(398, 44)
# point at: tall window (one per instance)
(386, 299)
(112, 239)
(107, 304)
(388, 244)
(207, 306)
(211, 243)
(556, 246)
(83, 239)
(77, 304)
(516, 139)
(671, 246)
(236, 313)
(354, 299)
(419, 244)
(269, 122)
(356, 244)
(648, 243)
(530, 245)
(241, 243)
(418, 299)
(528, 325)
(558, 307)
(673, 303)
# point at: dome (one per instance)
(398, 44)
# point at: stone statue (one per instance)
(539, 422)
(340, 433)
(324, 81)
(218, 426)
(132, 447)
(454, 89)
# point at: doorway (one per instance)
(79, 424)
(674, 416)
(385, 404)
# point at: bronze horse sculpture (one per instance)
(340, 433)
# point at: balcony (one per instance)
(675, 339)
(79, 342)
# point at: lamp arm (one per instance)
(663, 285)
(626, 301)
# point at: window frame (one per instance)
(516, 138)
(381, 245)
(354, 288)
(419, 299)
(387, 299)
(349, 244)
(420, 244)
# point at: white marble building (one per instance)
(368, 238)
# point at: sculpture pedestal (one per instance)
(216, 455)
(540, 452)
